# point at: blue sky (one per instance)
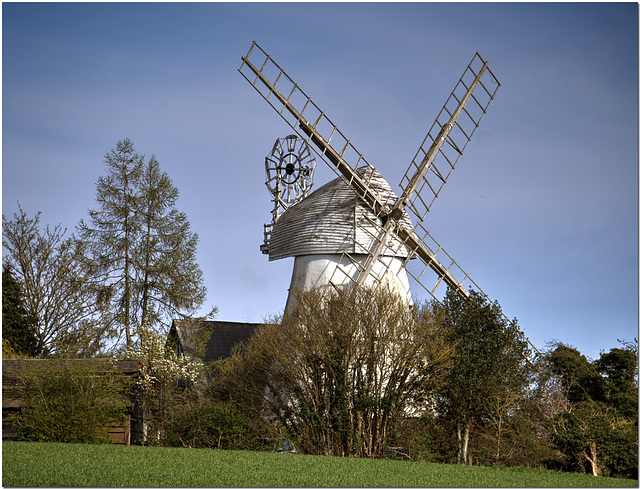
(541, 211)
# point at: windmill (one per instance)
(386, 230)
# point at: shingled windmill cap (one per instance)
(328, 220)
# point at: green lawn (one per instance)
(54, 464)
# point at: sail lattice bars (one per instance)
(308, 121)
(436, 175)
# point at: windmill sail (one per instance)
(312, 124)
(442, 147)
(428, 172)
(309, 122)
(457, 121)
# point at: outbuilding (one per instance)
(208, 341)
(13, 375)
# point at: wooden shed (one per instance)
(13, 371)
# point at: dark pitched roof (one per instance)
(209, 340)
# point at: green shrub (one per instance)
(209, 423)
(70, 402)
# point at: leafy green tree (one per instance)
(578, 375)
(619, 370)
(489, 372)
(18, 329)
(140, 246)
(597, 430)
(594, 439)
(55, 284)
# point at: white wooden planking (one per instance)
(333, 219)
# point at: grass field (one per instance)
(68, 465)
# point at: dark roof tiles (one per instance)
(211, 340)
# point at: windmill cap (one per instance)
(333, 220)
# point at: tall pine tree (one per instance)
(141, 246)
(169, 279)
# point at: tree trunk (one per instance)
(459, 444)
(145, 288)
(592, 457)
(127, 287)
(465, 445)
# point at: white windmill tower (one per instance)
(320, 229)
(384, 240)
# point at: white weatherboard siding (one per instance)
(332, 220)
